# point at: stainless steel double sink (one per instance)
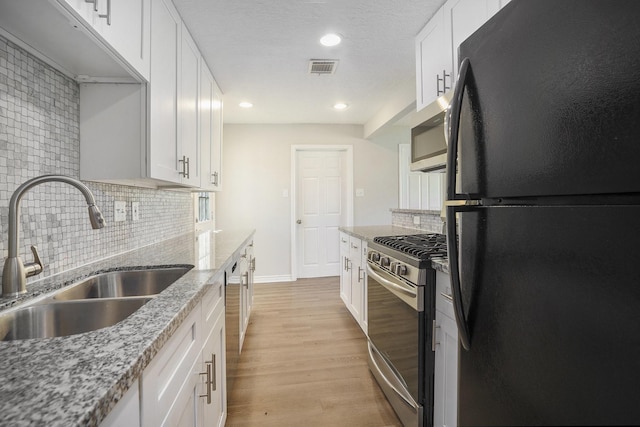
(95, 302)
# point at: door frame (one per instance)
(348, 149)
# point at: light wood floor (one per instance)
(304, 362)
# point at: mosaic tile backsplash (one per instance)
(40, 134)
(430, 221)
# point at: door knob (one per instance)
(299, 221)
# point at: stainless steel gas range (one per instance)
(401, 310)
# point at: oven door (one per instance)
(396, 343)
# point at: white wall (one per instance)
(257, 168)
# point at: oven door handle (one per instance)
(408, 295)
(374, 354)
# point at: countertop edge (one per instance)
(76, 391)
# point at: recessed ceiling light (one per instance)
(330, 40)
(245, 104)
(340, 106)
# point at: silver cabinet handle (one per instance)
(107, 16)
(444, 83)
(434, 343)
(215, 178)
(95, 4)
(207, 383)
(360, 275)
(185, 167)
(214, 381)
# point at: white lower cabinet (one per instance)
(127, 410)
(353, 277)
(184, 385)
(445, 384)
(246, 265)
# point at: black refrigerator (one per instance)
(543, 215)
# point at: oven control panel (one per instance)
(394, 266)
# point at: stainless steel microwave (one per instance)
(428, 139)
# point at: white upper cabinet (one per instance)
(72, 37)
(163, 92)
(433, 61)
(151, 134)
(189, 78)
(210, 130)
(463, 18)
(123, 24)
(437, 45)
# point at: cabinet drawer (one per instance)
(212, 305)
(163, 379)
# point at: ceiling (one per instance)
(259, 51)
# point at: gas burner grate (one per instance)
(421, 246)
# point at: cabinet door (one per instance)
(125, 25)
(216, 143)
(357, 278)
(169, 381)
(445, 382)
(462, 18)
(214, 408)
(433, 61)
(364, 321)
(185, 411)
(345, 274)
(189, 75)
(210, 130)
(206, 127)
(243, 268)
(163, 133)
(127, 410)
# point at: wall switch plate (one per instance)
(135, 211)
(416, 220)
(120, 211)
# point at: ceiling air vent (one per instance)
(323, 66)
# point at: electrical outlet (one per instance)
(120, 211)
(416, 220)
(359, 192)
(135, 211)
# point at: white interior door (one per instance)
(322, 193)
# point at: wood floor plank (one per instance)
(304, 362)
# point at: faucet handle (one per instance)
(36, 267)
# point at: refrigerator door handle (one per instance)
(454, 204)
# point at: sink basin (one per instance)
(56, 319)
(117, 284)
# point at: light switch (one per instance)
(120, 211)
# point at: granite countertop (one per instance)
(76, 380)
(368, 232)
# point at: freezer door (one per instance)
(552, 102)
(552, 300)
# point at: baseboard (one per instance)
(272, 279)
